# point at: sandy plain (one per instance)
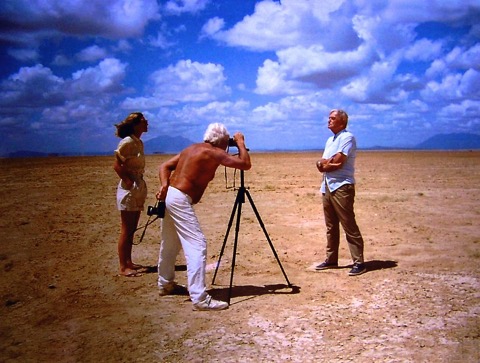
(419, 213)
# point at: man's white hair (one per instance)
(215, 133)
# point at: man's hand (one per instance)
(320, 165)
(239, 138)
(325, 165)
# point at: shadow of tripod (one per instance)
(237, 209)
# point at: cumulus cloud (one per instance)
(112, 19)
(186, 81)
(35, 86)
(92, 54)
(24, 54)
(107, 77)
(454, 87)
(424, 50)
(160, 41)
(63, 102)
(302, 107)
(415, 11)
(229, 113)
(212, 27)
(366, 70)
(285, 24)
(272, 80)
(185, 6)
(464, 58)
(406, 59)
(298, 67)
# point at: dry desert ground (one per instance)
(419, 213)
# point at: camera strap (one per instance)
(144, 227)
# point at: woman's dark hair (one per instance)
(126, 127)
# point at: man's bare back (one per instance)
(195, 169)
(196, 165)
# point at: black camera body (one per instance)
(157, 210)
(232, 142)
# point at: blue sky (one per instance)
(404, 70)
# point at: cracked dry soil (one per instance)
(419, 214)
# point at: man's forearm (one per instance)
(244, 156)
(164, 176)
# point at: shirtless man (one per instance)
(183, 180)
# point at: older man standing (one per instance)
(338, 193)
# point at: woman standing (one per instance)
(132, 189)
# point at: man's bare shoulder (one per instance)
(204, 149)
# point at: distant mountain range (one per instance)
(457, 141)
(172, 145)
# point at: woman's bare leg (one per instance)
(125, 243)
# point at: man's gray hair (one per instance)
(342, 114)
(215, 133)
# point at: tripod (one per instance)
(237, 209)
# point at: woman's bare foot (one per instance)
(128, 272)
(138, 268)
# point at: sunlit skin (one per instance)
(129, 218)
(196, 165)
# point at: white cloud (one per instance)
(273, 80)
(454, 87)
(369, 57)
(183, 82)
(64, 104)
(185, 6)
(189, 81)
(61, 60)
(123, 46)
(146, 103)
(35, 86)
(299, 67)
(229, 113)
(423, 11)
(23, 54)
(437, 67)
(278, 25)
(461, 58)
(469, 85)
(377, 85)
(292, 108)
(112, 19)
(424, 50)
(212, 26)
(465, 113)
(91, 54)
(160, 41)
(106, 78)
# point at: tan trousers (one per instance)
(338, 209)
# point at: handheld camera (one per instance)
(157, 210)
(232, 142)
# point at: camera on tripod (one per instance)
(232, 142)
(157, 210)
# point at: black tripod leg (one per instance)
(237, 229)
(267, 236)
(235, 205)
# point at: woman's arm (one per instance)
(122, 172)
